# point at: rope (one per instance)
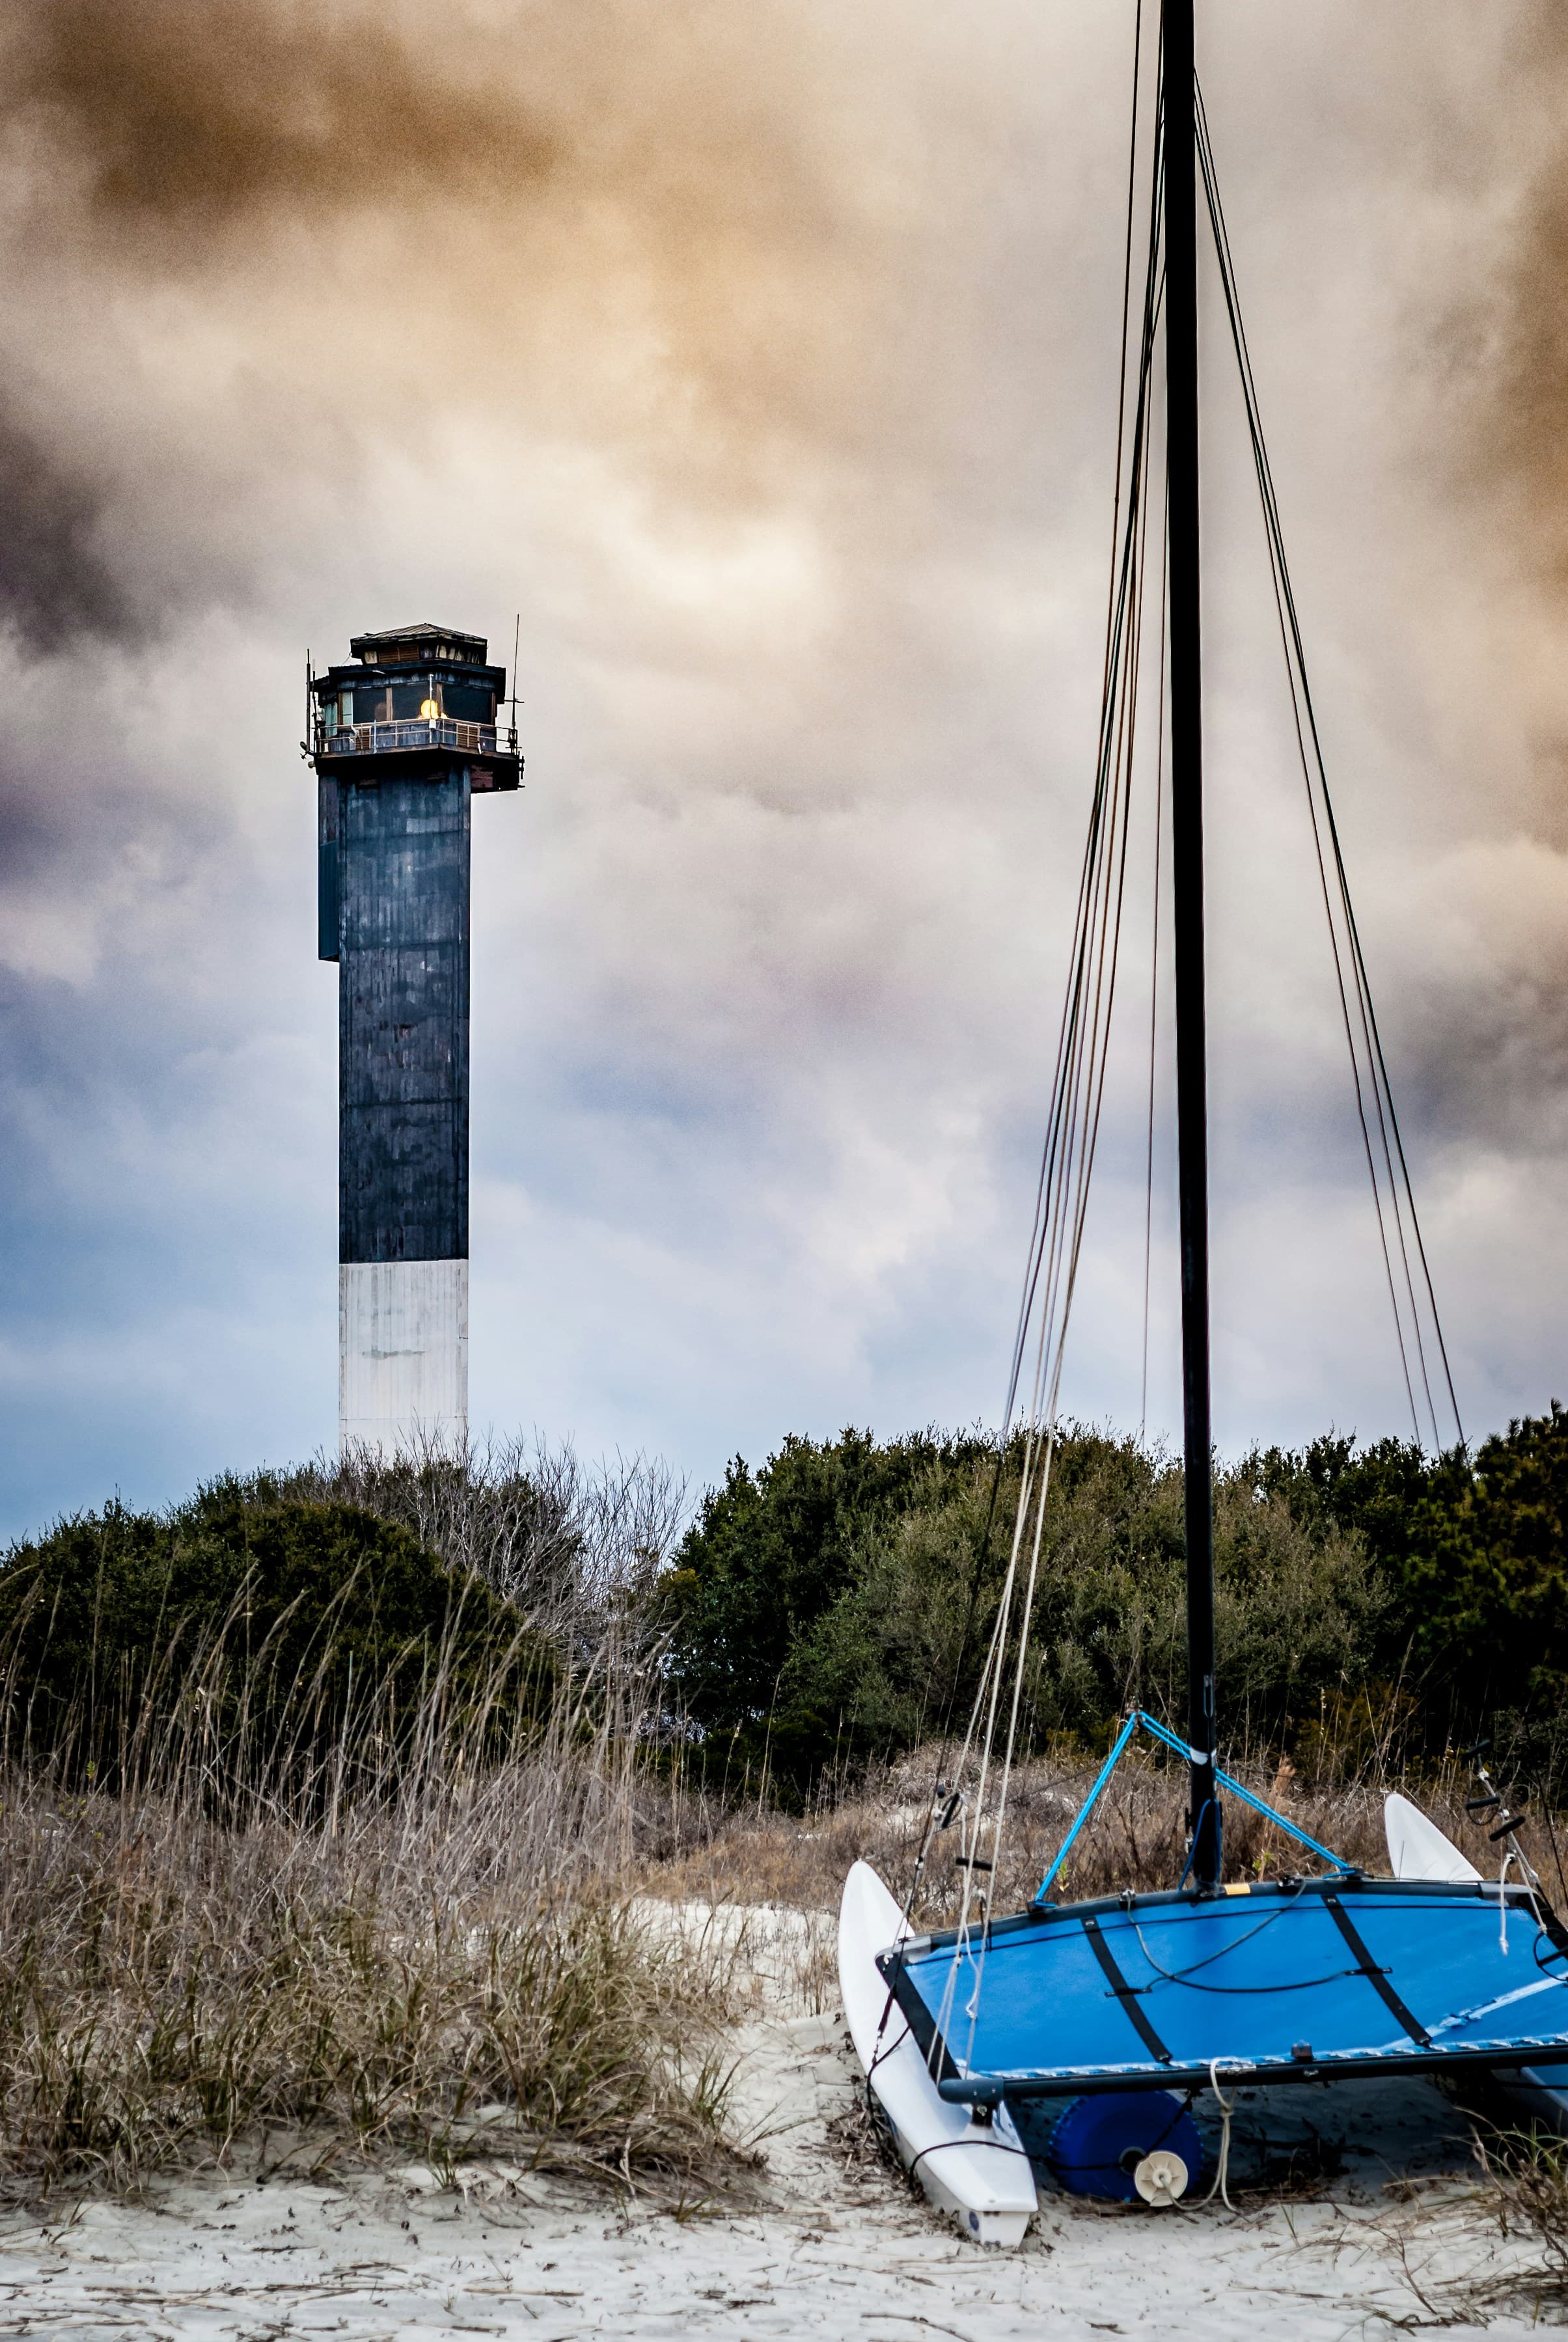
(1184, 1976)
(1180, 1976)
(1077, 1097)
(937, 2146)
(1227, 2108)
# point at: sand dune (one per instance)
(834, 2244)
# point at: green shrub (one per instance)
(261, 1625)
(835, 1605)
(772, 1551)
(1485, 1580)
(1474, 1553)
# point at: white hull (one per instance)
(1417, 1849)
(977, 2172)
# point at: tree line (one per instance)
(830, 1607)
(825, 1610)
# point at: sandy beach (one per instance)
(1374, 2224)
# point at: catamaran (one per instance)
(1089, 2029)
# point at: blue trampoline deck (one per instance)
(1307, 1979)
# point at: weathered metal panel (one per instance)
(403, 1020)
(328, 897)
(403, 1353)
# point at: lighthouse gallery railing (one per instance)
(417, 731)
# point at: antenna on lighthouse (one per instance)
(516, 640)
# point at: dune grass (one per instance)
(444, 1964)
(263, 1896)
(753, 1853)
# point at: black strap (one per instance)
(1125, 1992)
(1377, 1977)
(901, 1985)
(1552, 1926)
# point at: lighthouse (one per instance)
(403, 739)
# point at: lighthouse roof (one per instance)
(400, 646)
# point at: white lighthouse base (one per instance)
(403, 1354)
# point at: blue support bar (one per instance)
(1179, 1749)
(1087, 1807)
(1236, 1790)
(1161, 1732)
(1258, 1807)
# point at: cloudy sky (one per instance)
(762, 354)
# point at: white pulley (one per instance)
(1161, 2177)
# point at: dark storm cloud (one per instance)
(674, 151)
(1513, 339)
(159, 132)
(183, 115)
(56, 584)
(660, 231)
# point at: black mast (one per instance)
(1180, 150)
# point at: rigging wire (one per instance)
(1068, 1066)
(1393, 1197)
(1078, 1084)
(1076, 1101)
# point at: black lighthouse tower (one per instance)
(402, 741)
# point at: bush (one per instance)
(835, 1607)
(1486, 1581)
(772, 1552)
(253, 1621)
(1474, 1552)
(1374, 1603)
(575, 1548)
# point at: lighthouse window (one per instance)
(470, 703)
(407, 698)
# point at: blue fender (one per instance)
(1094, 2144)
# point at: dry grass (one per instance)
(758, 1856)
(1527, 2189)
(1522, 2276)
(445, 1962)
(171, 1987)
